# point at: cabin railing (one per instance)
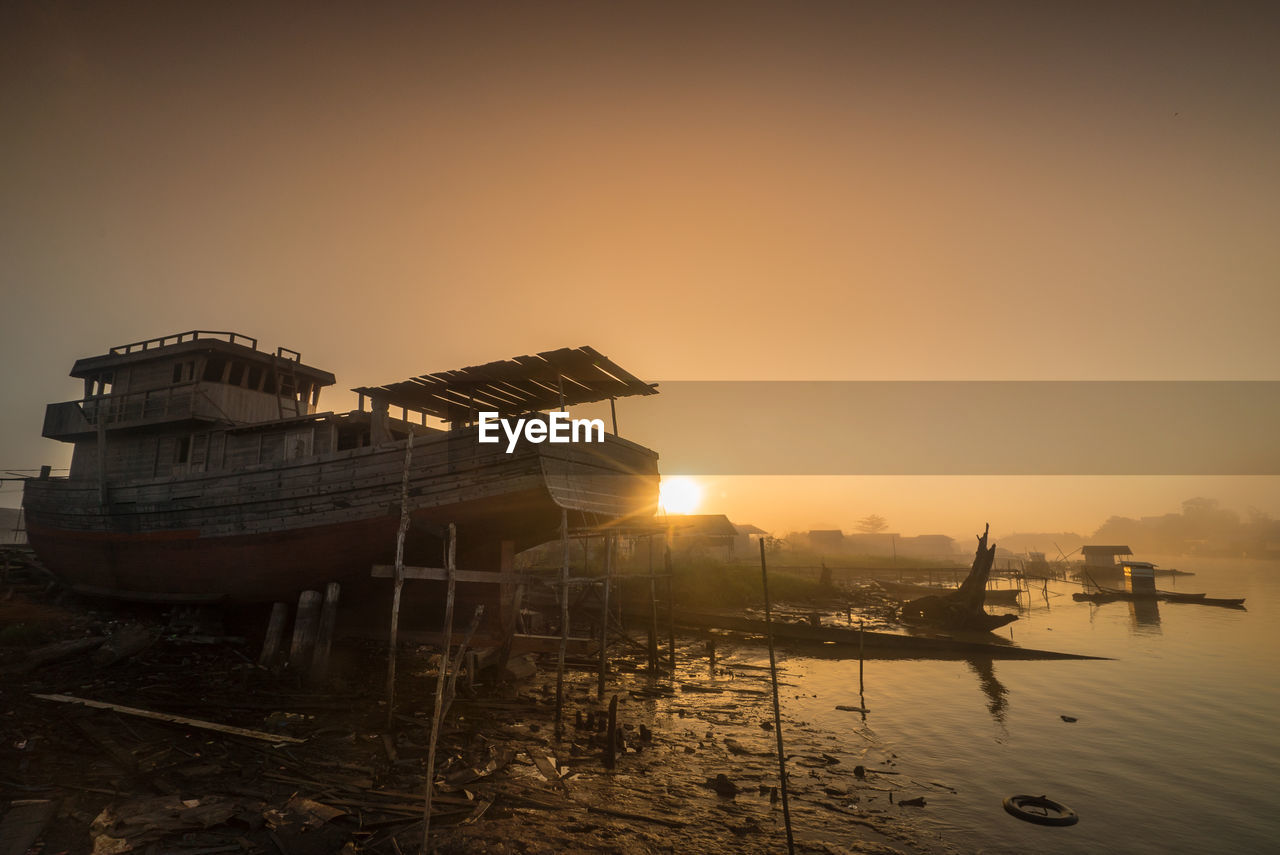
(184, 401)
(179, 338)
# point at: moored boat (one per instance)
(1107, 595)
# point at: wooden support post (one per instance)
(442, 699)
(604, 616)
(305, 625)
(275, 634)
(102, 452)
(653, 614)
(777, 710)
(613, 413)
(393, 642)
(510, 601)
(564, 621)
(324, 640)
(671, 619)
(711, 653)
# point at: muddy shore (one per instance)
(698, 770)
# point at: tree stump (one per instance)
(962, 609)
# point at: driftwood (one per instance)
(962, 609)
(173, 719)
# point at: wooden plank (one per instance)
(173, 719)
(439, 574)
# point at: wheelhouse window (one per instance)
(214, 369)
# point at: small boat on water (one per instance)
(204, 470)
(1101, 561)
(1108, 595)
(1141, 581)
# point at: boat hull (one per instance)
(265, 533)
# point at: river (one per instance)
(1175, 746)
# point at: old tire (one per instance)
(1040, 810)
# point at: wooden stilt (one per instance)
(324, 640)
(510, 601)
(671, 620)
(653, 614)
(564, 622)
(275, 635)
(393, 642)
(305, 625)
(442, 699)
(611, 747)
(604, 616)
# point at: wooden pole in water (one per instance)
(604, 616)
(777, 709)
(564, 621)
(861, 633)
(395, 597)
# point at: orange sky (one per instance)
(833, 191)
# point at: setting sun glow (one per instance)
(679, 495)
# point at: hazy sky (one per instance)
(742, 191)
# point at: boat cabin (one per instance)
(1140, 576)
(203, 401)
(190, 402)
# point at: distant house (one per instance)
(1103, 556)
(827, 539)
(883, 543)
(937, 546)
(703, 534)
(745, 544)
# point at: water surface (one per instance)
(1175, 747)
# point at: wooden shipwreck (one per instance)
(203, 469)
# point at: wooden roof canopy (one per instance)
(524, 384)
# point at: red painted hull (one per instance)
(266, 534)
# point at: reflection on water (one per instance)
(1177, 728)
(1146, 616)
(997, 694)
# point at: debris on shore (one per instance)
(189, 745)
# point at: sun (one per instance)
(679, 495)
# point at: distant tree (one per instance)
(872, 524)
